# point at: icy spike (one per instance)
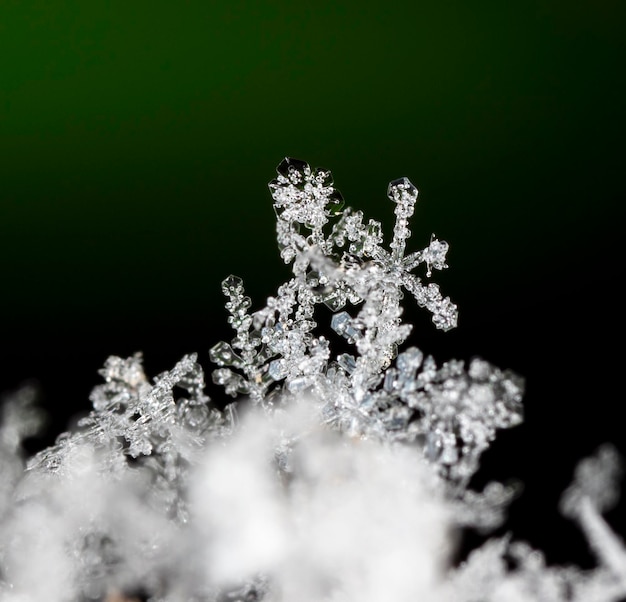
(402, 191)
(404, 195)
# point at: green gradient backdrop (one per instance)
(137, 140)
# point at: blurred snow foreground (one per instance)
(339, 469)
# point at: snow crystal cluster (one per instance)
(336, 468)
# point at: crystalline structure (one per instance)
(113, 491)
(338, 260)
(336, 468)
(277, 343)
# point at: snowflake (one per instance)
(327, 473)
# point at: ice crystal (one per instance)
(338, 466)
(451, 411)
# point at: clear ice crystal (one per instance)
(456, 412)
(343, 325)
(302, 195)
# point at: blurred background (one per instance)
(136, 144)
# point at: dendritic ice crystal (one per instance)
(336, 467)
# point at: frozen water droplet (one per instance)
(232, 285)
(300, 384)
(347, 362)
(193, 414)
(323, 176)
(402, 191)
(278, 369)
(335, 301)
(342, 324)
(232, 383)
(222, 354)
(433, 446)
(221, 376)
(336, 203)
(288, 165)
(390, 383)
(339, 322)
(410, 360)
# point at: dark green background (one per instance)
(137, 140)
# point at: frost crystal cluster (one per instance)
(337, 467)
